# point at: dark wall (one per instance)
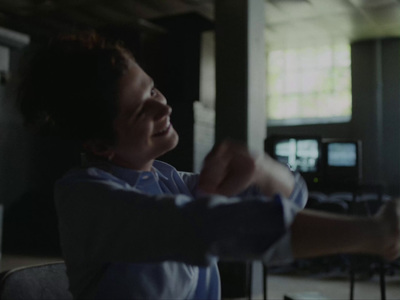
(390, 151)
(29, 166)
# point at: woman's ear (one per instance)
(99, 148)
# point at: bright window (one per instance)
(309, 85)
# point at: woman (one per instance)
(132, 227)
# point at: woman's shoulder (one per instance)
(188, 179)
(87, 174)
(168, 170)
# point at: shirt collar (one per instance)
(158, 170)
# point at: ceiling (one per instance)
(288, 22)
(314, 21)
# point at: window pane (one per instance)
(292, 83)
(291, 61)
(276, 83)
(342, 78)
(324, 57)
(276, 60)
(342, 56)
(309, 85)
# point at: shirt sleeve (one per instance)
(104, 221)
(281, 251)
(273, 245)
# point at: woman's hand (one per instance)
(227, 169)
(273, 177)
(230, 168)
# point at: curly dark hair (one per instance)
(70, 87)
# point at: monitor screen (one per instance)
(342, 154)
(301, 154)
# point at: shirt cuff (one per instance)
(281, 251)
(299, 194)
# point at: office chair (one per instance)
(40, 282)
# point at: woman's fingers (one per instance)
(214, 168)
(239, 175)
(227, 169)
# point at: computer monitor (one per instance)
(301, 153)
(342, 161)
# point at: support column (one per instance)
(391, 114)
(240, 99)
(376, 109)
(240, 71)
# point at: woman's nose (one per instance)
(159, 109)
(161, 98)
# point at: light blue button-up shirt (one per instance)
(152, 235)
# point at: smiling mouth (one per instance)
(163, 131)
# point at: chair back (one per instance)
(44, 282)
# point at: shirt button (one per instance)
(145, 177)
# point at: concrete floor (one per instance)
(333, 284)
(329, 288)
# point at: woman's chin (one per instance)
(168, 145)
(172, 143)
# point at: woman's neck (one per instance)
(134, 165)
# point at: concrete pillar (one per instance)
(366, 112)
(376, 109)
(240, 71)
(240, 98)
(390, 150)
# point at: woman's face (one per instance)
(143, 128)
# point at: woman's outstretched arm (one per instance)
(230, 168)
(316, 233)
